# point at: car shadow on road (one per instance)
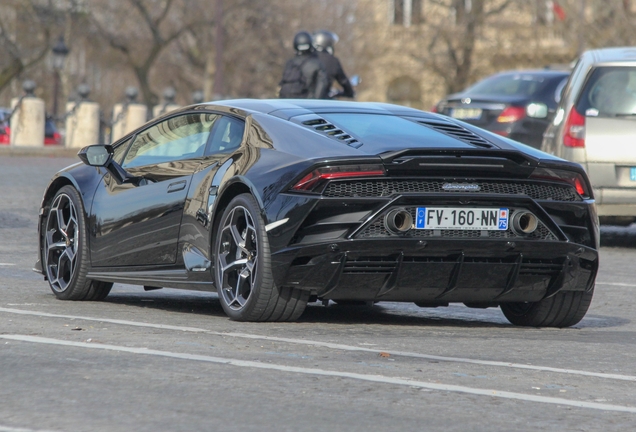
(616, 236)
(390, 314)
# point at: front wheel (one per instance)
(243, 272)
(65, 250)
(563, 309)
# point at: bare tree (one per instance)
(145, 32)
(18, 52)
(452, 46)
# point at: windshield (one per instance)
(508, 84)
(609, 91)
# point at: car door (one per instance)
(225, 139)
(137, 223)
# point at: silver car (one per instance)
(595, 125)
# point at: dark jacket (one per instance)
(304, 77)
(335, 73)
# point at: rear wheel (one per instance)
(243, 272)
(65, 250)
(564, 309)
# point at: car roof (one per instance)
(614, 54)
(536, 72)
(287, 108)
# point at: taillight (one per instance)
(574, 130)
(573, 178)
(318, 176)
(5, 137)
(511, 114)
(434, 109)
(57, 138)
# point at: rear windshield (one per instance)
(609, 91)
(382, 129)
(513, 84)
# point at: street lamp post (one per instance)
(60, 51)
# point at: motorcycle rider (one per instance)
(324, 42)
(304, 76)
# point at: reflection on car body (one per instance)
(275, 203)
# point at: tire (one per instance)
(65, 250)
(243, 271)
(564, 309)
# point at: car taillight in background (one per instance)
(5, 135)
(55, 139)
(320, 175)
(573, 178)
(511, 114)
(574, 130)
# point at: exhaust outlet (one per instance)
(398, 221)
(524, 223)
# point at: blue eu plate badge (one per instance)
(420, 221)
(503, 219)
(632, 173)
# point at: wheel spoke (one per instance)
(238, 239)
(233, 264)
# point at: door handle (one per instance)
(177, 186)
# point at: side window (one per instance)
(226, 136)
(120, 151)
(181, 137)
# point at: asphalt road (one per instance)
(170, 360)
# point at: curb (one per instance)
(47, 151)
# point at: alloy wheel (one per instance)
(61, 243)
(237, 258)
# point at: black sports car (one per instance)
(276, 203)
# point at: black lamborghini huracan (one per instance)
(276, 203)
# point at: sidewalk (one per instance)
(49, 150)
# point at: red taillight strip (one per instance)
(319, 175)
(570, 177)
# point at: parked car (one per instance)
(595, 125)
(51, 134)
(275, 203)
(515, 104)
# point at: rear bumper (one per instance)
(437, 270)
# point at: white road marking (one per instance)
(323, 372)
(12, 429)
(6, 264)
(333, 345)
(616, 284)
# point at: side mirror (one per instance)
(537, 110)
(96, 155)
(354, 80)
(102, 156)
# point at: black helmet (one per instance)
(324, 40)
(302, 41)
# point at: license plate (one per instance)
(466, 113)
(494, 219)
(632, 173)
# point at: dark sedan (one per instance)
(277, 203)
(515, 104)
